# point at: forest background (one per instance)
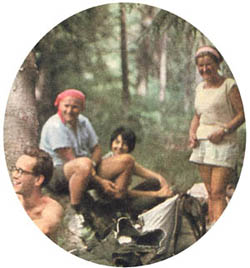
(135, 63)
(22, 26)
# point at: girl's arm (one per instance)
(192, 131)
(146, 173)
(164, 192)
(237, 121)
(239, 118)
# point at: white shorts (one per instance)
(224, 154)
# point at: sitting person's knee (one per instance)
(128, 160)
(84, 165)
(81, 165)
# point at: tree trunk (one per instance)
(43, 94)
(160, 61)
(144, 59)
(21, 124)
(190, 68)
(163, 67)
(124, 58)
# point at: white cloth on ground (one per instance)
(160, 217)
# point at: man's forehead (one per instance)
(26, 160)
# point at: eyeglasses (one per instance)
(20, 171)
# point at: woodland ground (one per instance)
(172, 162)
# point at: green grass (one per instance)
(173, 164)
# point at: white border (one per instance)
(23, 24)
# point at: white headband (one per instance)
(208, 49)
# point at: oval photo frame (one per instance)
(147, 116)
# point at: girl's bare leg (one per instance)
(219, 180)
(205, 173)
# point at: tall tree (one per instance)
(163, 67)
(124, 58)
(144, 57)
(21, 123)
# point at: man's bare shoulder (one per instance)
(52, 205)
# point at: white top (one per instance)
(214, 108)
(55, 135)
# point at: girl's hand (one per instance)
(162, 181)
(109, 187)
(193, 142)
(217, 136)
(165, 192)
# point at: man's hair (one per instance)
(44, 164)
(128, 137)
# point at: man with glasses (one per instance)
(33, 170)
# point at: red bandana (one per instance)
(68, 92)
